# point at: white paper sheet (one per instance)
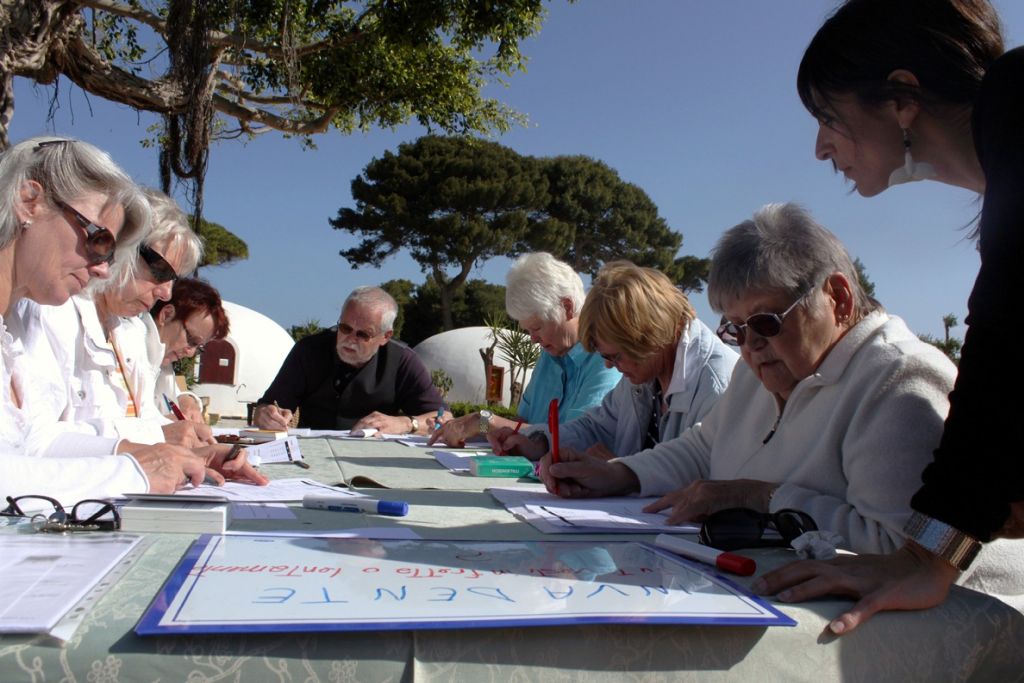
(261, 511)
(457, 461)
(46, 575)
(277, 491)
(396, 533)
(554, 515)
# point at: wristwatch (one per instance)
(414, 426)
(940, 539)
(485, 421)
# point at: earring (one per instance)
(910, 170)
(26, 223)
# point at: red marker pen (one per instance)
(726, 561)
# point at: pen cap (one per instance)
(395, 508)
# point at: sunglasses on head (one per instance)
(100, 243)
(161, 270)
(736, 528)
(764, 324)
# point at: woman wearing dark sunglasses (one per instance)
(64, 207)
(818, 416)
(913, 91)
(102, 340)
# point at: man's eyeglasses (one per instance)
(162, 270)
(49, 515)
(100, 243)
(345, 330)
(736, 528)
(765, 324)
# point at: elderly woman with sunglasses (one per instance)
(65, 207)
(673, 367)
(99, 338)
(834, 411)
(180, 328)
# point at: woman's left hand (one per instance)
(698, 500)
(236, 469)
(455, 432)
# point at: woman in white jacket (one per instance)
(834, 411)
(65, 209)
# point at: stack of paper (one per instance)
(183, 516)
(554, 515)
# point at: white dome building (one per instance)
(457, 352)
(235, 371)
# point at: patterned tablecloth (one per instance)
(970, 637)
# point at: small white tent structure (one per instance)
(236, 371)
(457, 352)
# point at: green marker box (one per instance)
(500, 466)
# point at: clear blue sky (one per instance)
(693, 101)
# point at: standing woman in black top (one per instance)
(909, 90)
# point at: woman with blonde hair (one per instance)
(673, 367)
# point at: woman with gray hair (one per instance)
(98, 341)
(835, 410)
(66, 209)
(545, 296)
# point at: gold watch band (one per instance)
(941, 539)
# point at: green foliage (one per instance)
(297, 66)
(442, 380)
(593, 216)
(862, 274)
(220, 245)
(450, 201)
(690, 273)
(187, 368)
(460, 409)
(419, 307)
(950, 346)
(310, 327)
(518, 350)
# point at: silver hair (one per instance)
(536, 284)
(377, 299)
(781, 249)
(67, 169)
(169, 231)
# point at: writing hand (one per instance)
(269, 416)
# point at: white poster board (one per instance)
(245, 584)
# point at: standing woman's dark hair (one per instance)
(947, 45)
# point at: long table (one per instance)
(970, 637)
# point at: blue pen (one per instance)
(340, 503)
(167, 401)
(437, 420)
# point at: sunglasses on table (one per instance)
(764, 324)
(737, 528)
(100, 243)
(161, 270)
(49, 515)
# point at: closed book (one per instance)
(500, 466)
(174, 517)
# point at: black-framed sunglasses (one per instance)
(86, 515)
(100, 243)
(161, 270)
(764, 324)
(362, 335)
(736, 528)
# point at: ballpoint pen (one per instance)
(437, 420)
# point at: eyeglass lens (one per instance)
(361, 335)
(162, 270)
(100, 243)
(764, 324)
